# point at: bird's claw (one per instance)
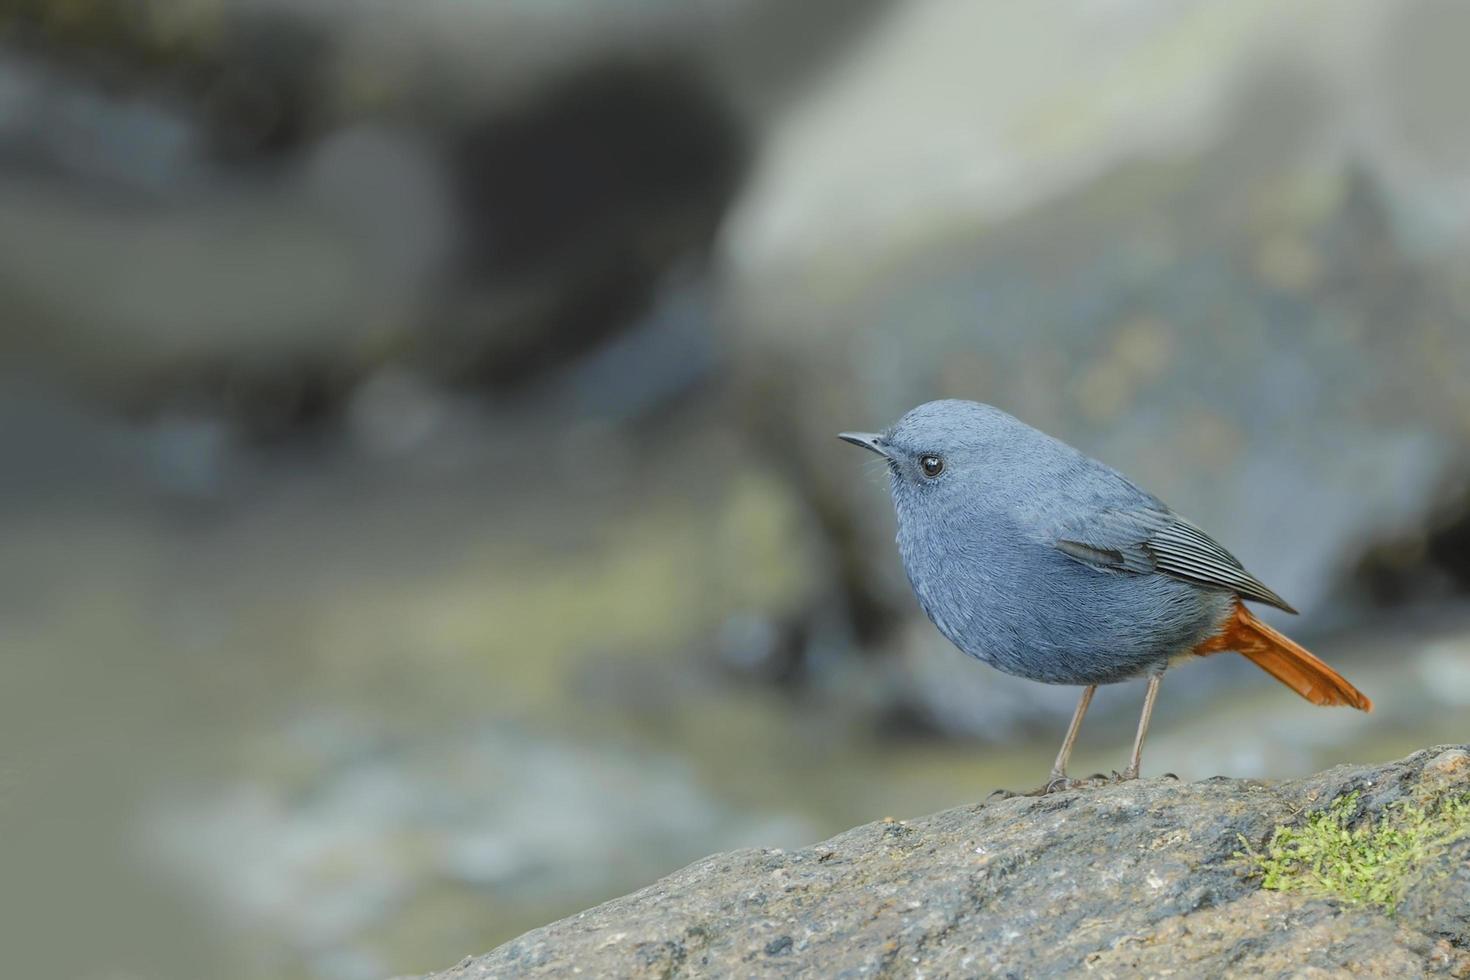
(1053, 785)
(1060, 783)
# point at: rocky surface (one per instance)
(1128, 880)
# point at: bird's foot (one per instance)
(1056, 784)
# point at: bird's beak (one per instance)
(871, 441)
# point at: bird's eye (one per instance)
(931, 465)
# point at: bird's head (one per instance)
(940, 451)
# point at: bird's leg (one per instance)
(1148, 709)
(1058, 778)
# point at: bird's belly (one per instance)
(1069, 624)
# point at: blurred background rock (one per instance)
(420, 509)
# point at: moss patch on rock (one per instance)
(1338, 853)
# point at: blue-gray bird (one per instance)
(1050, 565)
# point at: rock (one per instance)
(1142, 878)
(280, 199)
(1441, 905)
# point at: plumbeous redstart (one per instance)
(1050, 565)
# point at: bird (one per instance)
(1045, 563)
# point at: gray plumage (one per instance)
(1044, 562)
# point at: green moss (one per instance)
(1335, 854)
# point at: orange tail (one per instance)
(1285, 660)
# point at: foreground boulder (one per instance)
(1144, 878)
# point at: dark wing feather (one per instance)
(1146, 540)
(1184, 551)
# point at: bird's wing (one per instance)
(1145, 539)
